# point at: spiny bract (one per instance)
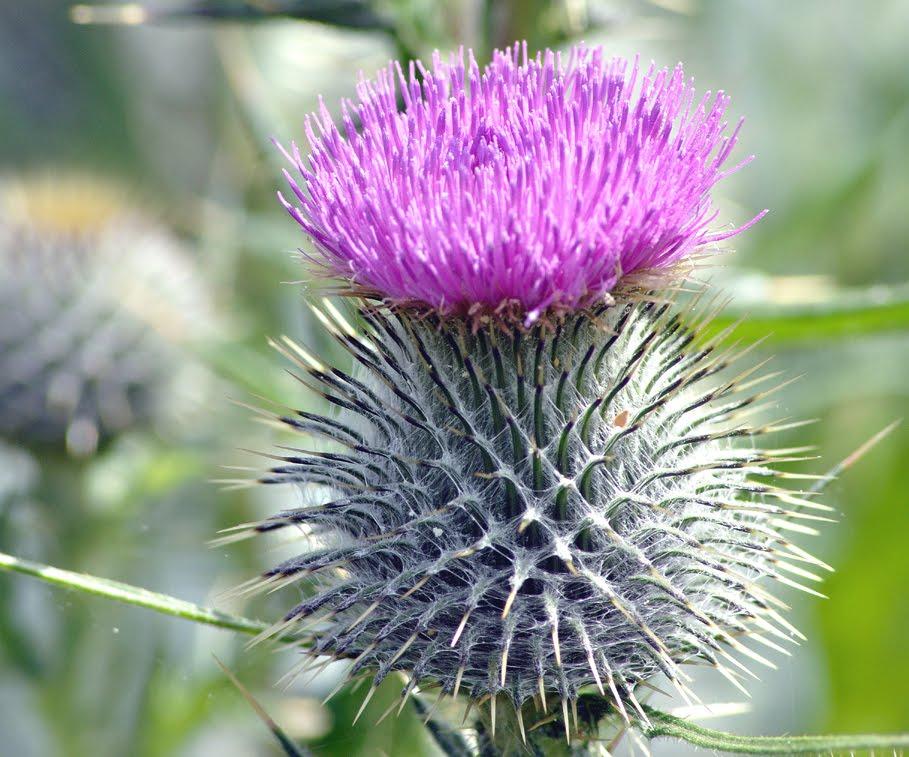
(95, 299)
(522, 511)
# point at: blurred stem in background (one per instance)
(344, 14)
(353, 14)
(542, 23)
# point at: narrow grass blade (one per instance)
(290, 749)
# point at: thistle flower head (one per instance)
(542, 507)
(533, 184)
(95, 299)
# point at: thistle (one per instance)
(541, 477)
(95, 299)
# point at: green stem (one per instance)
(664, 725)
(134, 595)
(168, 605)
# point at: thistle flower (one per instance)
(536, 183)
(547, 505)
(95, 299)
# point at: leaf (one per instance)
(664, 725)
(831, 313)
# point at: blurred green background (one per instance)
(180, 112)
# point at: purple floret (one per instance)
(534, 184)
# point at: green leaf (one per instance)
(835, 313)
(665, 725)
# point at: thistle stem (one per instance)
(449, 743)
(665, 725)
(134, 595)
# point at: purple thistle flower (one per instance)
(536, 183)
(504, 509)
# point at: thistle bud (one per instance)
(95, 299)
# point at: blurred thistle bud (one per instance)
(95, 300)
(531, 486)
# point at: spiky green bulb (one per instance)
(532, 512)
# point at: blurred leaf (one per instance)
(352, 14)
(449, 740)
(244, 367)
(833, 314)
